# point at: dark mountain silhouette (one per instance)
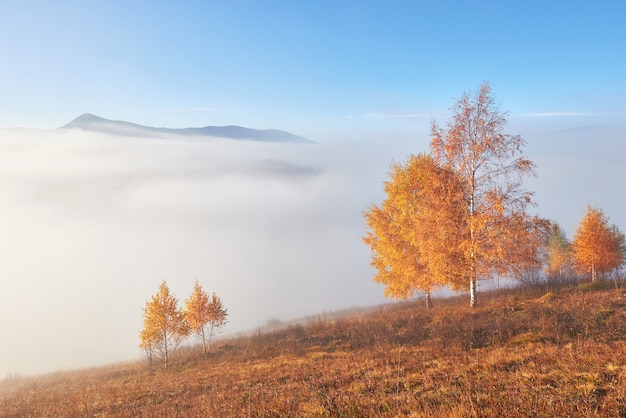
(89, 122)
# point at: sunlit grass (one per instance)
(545, 351)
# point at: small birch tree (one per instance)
(164, 326)
(217, 318)
(204, 315)
(558, 254)
(598, 247)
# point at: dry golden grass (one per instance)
(557, 351)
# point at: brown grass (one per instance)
(524, 352)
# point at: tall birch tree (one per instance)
(490, 168)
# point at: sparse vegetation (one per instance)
(545, 350)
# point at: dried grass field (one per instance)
(542, 351)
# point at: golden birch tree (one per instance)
(411, 227)
(490, 167)
(164, 326)
(218, 317)
(597, 247)
(204, 315)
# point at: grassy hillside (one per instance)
(546, 351)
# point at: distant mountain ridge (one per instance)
(89, 122)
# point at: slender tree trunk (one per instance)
(472, 242)
(429, 302)
(472, 292)
(472, 287)
(149, 354)
(165, 349)
(204, 342)
(593, 272)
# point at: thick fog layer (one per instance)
(90, 224)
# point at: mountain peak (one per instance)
(91, 122)
(87, 116)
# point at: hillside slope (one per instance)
(525, 352)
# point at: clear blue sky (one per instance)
(315, 68)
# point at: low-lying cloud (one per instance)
(91, 224)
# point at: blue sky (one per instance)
(321, 69)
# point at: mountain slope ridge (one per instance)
(91, 122)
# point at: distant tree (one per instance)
(204, 315)
(598, 247)
(619, 242)
(488, 163)
(558, 254)
(525, 252)
(164, 326)
(410, 230)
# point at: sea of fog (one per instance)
(90, 224)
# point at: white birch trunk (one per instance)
(472, 292)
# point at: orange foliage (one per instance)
(521, 247)
(411, 229)
(598, 247)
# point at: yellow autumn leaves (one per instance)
(166, 326)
